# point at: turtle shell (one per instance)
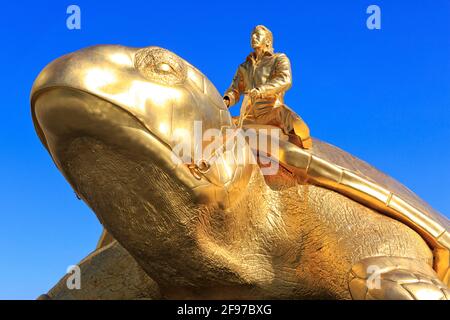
(330, 167)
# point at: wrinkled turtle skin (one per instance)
(110, 117)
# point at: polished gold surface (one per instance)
(111, 118)
(263, 78)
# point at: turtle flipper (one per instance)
(395, 278)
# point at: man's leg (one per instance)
(302, 131)
(294, 126)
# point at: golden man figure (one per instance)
(264, 77)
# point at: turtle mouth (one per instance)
(63, 114)
(82, 132)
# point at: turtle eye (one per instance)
(160, 65)
(164, 67)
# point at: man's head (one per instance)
(262, 38)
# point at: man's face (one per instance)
(259, 39)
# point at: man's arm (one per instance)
(233, 94)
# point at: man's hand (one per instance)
(226, 100)
(254, 93)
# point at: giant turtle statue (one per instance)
(325, 226)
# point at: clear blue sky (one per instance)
(383, 95)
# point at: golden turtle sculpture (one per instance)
(325, 226)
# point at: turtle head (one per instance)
(134, 131)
